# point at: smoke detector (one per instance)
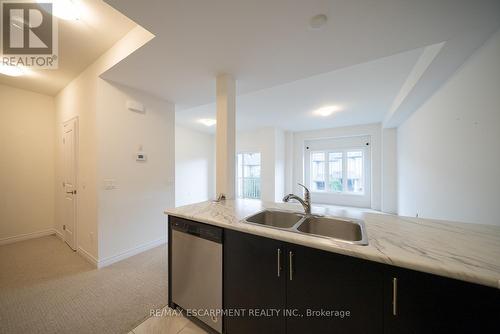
(317, 22)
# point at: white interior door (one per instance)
(69, 181)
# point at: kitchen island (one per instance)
(414, 276)
(468, 252)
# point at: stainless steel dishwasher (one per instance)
(197, 270)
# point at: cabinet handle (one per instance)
(279, 262)
(394, 296)
(290, 265)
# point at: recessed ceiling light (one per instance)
(207, 121)
(318, 21)
(12, 71)
(326, 111)
(65, 9)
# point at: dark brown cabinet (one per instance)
(418, 302)
(334, 293)
(252, 283)
(314, 291)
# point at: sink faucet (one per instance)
(306, 202)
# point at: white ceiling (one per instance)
(80, 43)
(363, 92)
(265, 43)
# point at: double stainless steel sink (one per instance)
(337, 229)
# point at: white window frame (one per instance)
(343, 145)
(344, 171)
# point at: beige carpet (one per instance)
(47, 288)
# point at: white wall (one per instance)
(448, 155)
(372, 130)
(194, 166)
(389, 202)
(131, 215)
(27, 163)
(279, 164)
(282, 159)
(288, 162)
(270, 142)
(79, 99)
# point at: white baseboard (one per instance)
(131, 252)
(59, 234)
(87, 256)
(27, 236)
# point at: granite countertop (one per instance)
(468, 252)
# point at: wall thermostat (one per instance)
(140, 156)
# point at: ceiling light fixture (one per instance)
(326, 111)
(65, 9)
(318, 21)
(207, 121)
(12, 71)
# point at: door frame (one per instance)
(74, 119)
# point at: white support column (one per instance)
(225, 136)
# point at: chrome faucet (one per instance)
(306, 202)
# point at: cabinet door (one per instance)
(252, 283)
(323, 281)
(410, 302)
(417, 302)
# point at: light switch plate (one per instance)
(110, 184)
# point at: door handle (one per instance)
(279, 261)
(290, 265)
(394, 296)
(71, 192)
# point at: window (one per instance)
(248, 175)
(355, 172)
(339, 171)
(318, 171)
(335, 172)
